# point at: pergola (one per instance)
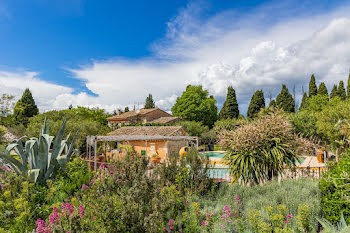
(92, 140)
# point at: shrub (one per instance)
(335, 194)
(263, 148)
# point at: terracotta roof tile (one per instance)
(149, 131)
(126, 115)
(165, 120)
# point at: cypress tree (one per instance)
(230, 108)
(334, 92)
(285, 100)
(322, 89)
(149, 102)
(272, 104)
(312, 86)
(341, 90)
(348, 87)
(257, 102)
(25, 108)
(303, 101)
(126, 109)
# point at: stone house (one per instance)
(142, 116)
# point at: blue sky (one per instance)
(111, 54)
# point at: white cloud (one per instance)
(245, 51)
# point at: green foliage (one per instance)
(43, 162)
(25, 108)
(89, 121)
(126, 109)
(272, 104)
(328, 227)
(195, 105)
(149, 103)
(304, 218)
(227, 124)
(341, 90)
(315, 103)
(257, 102)
(285, 100)
(230, 108)
(261, 149)
(312, 86)
(303, 101)
(334, 92)
(322, 89)
(193, 128)
(335, 194)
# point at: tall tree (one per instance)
(334, 92)
(272, 104)
(195, 105)
(322, 89)
(285, 100)
(257, 102)
(149, 102)
(25, 108)
(348, 87)
(312, 86)
(341, 90)
(230, 108)
(126, 109)
(303, 101)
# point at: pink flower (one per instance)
(198, 188)
(226, 210)
(67, 208)
(83, 187)
(238, 198)
(92, 181)
(81, 211)
(93, 218)
(42, 228)
(289, 216)
(102, 197)
(204, 223)
(187, 202)
(213, 213)
(54, 217)
(287, 221)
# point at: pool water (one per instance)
(214, 154)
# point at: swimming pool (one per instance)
(214, 154)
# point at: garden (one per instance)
(45, 185)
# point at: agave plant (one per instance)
(45, 155)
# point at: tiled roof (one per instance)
(164, 120)
(126, 115)
(149, 131)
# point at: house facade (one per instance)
(163, 148)
(141, 116)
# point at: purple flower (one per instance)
(198, 188)
(289, 216)
(92, 181)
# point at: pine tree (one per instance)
(257, 102)
(126, 109)
(149, 102)
(322, 89)
(348, 87)
(25, 108)
(341, 90)
(230, 108)
(285, 100)
(303, 101)
(334, 92)
(312, 86)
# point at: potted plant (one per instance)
(155, 158)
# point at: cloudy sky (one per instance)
(111, 54)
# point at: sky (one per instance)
(112, 54)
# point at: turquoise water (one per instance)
(214, 154)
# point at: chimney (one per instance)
(119, 112)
